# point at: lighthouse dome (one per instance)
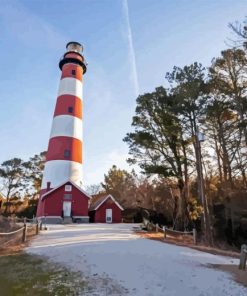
(74, 46)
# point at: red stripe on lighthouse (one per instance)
(68, 105)
(64, 148)
(72, 71)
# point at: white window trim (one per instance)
(68, 188)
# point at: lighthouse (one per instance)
(61, 195)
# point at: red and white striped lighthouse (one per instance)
(64, 154)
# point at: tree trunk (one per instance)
(217, 150)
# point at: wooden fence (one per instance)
(170, 233)
(243, 257)
(26, 229)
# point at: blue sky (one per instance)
(128, 52)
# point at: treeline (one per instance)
(140, 195)
(20, 183)
(194, 133)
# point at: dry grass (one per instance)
(240, 276)
(12, 249)
(187, 241)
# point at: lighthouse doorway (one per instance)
(67, 208)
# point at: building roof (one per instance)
(99, 199)
(72, 183)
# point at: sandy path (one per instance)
(124, 264)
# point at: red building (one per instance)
(64, 202)
(105, 209)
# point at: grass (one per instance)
(24, 274)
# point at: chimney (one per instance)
(48, 187)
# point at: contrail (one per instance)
(132, 55)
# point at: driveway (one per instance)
(115, 261)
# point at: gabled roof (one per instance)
(72, 183)
(98, 200)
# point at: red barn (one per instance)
(105, 209)
(64, 203)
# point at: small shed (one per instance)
(66, 202)
(105, 209)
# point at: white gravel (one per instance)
(124, 264)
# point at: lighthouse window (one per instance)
(70, 109)
(73, 72)
(66, 153)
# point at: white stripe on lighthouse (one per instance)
(70, 86)
(67, 126)
(59, 171)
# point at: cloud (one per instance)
(132, 55)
